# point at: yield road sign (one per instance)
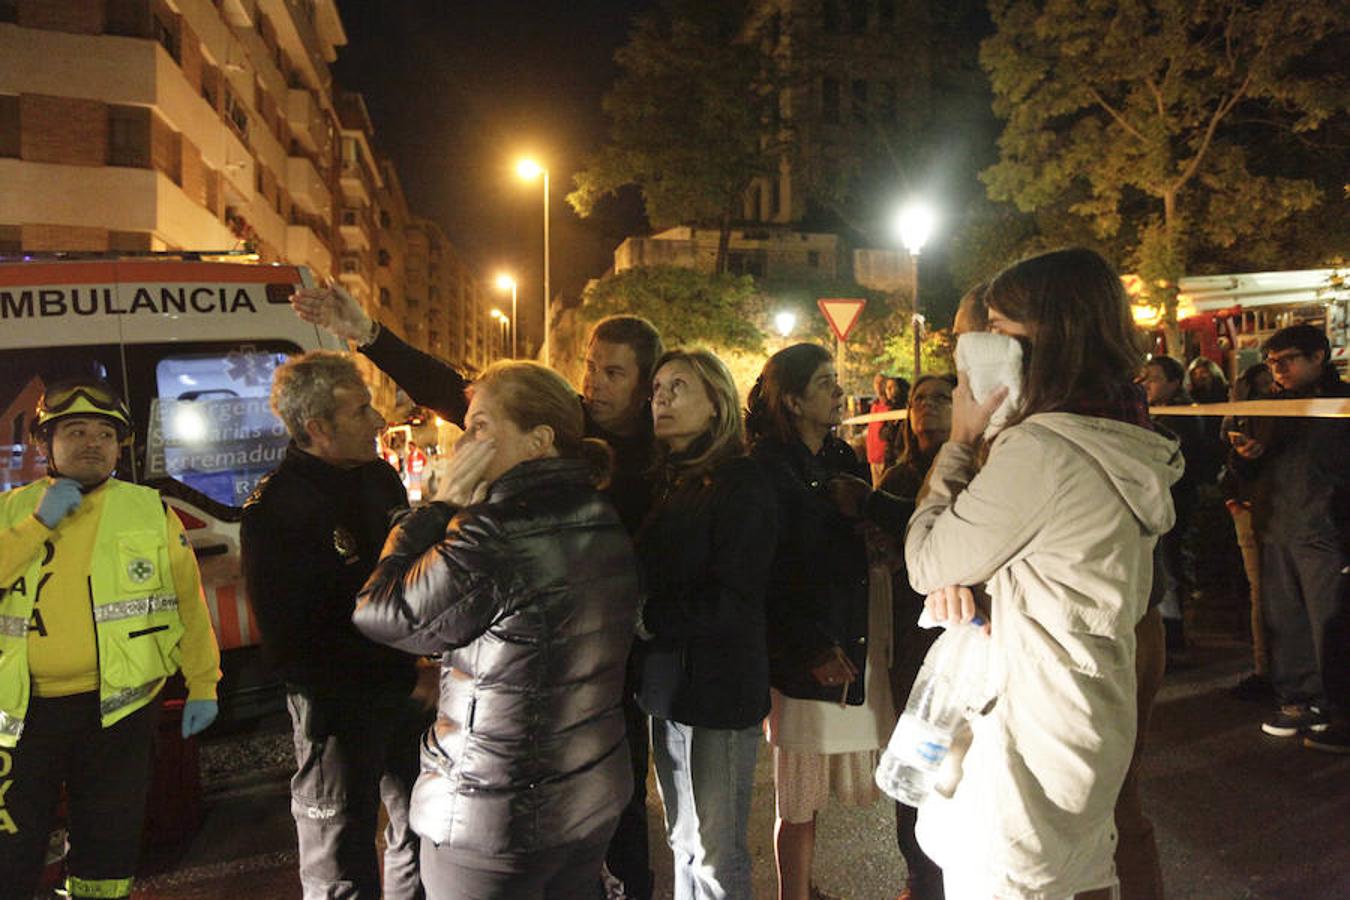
(841, 314)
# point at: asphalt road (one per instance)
(1238, 814)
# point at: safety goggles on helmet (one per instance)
(82, 398)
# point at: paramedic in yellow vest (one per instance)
(100, 602)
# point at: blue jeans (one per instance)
(706, 776)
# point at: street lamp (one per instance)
(506, 282)
(914, 225)
(785, 321)
(530, 170)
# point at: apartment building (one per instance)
(450, 295)
(133, 125)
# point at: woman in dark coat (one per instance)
(829, 610)
(523, 579)
(706, 549)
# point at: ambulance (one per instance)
(191, 341)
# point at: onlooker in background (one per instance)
(311, 533)
(1255, 383)
(101, 599)
(877, 446)
(1205, 382)
(1301, 515)
(898, 392)
(1163, 384)
(706, 550)
(829, 608)
(926, 430)
(1059, 523)
(523, 579)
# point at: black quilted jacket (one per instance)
(530, 597)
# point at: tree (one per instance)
(687, 118)
(688, 307)
(1155, 122)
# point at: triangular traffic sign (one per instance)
(841, 314)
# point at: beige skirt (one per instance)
(804, 782)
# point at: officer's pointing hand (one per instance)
(61, 498)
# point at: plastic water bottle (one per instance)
(949, 687)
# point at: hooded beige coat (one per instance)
(1060, 525)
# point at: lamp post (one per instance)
(506, 282)
(529, 170)
(785, 321)
(914, 225)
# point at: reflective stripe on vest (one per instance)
(126, 697)
(110, 888)
(10, 726)
(13, 626)
(126, 609)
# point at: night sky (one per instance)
(458, 91)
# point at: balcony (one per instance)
(306, 186)
(354, 225)
(304, 248)
(355, 182)
(307, 121)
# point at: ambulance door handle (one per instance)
(211, 550)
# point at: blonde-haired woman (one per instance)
(705, 548)
(523, 578)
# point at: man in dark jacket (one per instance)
(311, 535)
(616, 394)
(1301, 510)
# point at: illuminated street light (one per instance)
(785, 321)
(506, 282)
(914, 225)
(530, 170)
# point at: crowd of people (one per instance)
(646, 574)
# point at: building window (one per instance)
(858, 94)
(829, 16)
(130, 18)
(813, 258)
(211, 85)
(775, 197)
(857, 16)
(235, 114)
(9, 125)
(383, 257)
(385, 220)
(129, 241)
(129, 136)
(829, 100)
(9, 10)
(386, 299)
(166, 33)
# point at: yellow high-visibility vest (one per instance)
(134, 606)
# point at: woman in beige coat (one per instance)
(1060, 523)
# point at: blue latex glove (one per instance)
(60, 500)
(197, 715)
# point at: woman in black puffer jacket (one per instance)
(523, 578)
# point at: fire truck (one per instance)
(1228, 317)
